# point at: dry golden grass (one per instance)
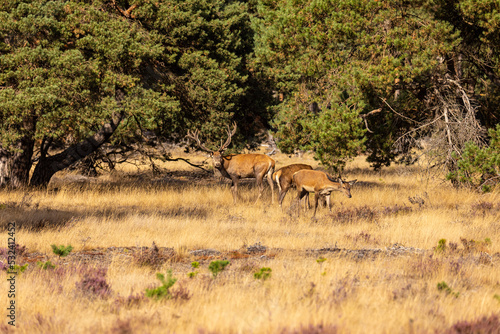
(361, 287)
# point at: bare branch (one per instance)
(186, 161)
(363, 116)
(127, 13)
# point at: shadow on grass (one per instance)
(29, 216)
(35, 219)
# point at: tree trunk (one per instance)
(48, 166)
(15, 165)
(20, 164)
(4, 167)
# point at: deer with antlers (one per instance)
(238, 166)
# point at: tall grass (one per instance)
(361, 286)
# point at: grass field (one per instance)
(375, 264)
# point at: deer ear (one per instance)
(352, 182)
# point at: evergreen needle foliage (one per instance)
(263, 274)
(442, 286)
(163, 290)
(62, 250)
(217, 266)
(19, 269)
(45, 265)
(441, 247)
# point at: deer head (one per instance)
(345, 186)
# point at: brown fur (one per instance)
(235, 167)
(283, 178)
(320, 183)
(238, 166)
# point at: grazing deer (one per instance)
(320, 183)
(237, 166)
(283, 178)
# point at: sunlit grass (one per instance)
(355, 294)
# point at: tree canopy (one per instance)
(339, 78)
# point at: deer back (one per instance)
(248, 165)
(284, 174)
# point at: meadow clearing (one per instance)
(408, 253)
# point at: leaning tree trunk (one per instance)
(48, 166)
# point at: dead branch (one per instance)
(127, 13)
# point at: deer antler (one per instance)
(229, 135)
(194, 135)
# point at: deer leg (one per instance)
(271, 183)
(281, 198)
(283, 192)
(328, 202)
(234, 189)
(300, 194)
(316, 198)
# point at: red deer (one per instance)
(320, 183)
(283, 178)
(238, 166)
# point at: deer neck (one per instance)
(222, 168)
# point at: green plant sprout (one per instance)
(62, 251)
(263, 274)
(163, 290)
(217, 266)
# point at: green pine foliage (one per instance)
(376, 70)
(62, 250)
(479, 167)
(162, 291)
(264, 273)
(216, 267)
(45, 265)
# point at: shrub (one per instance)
(45, 265)
(423, 267)
(128, 302)
(17, 268)
(19, 250)
(181, 293)
(163, 290)
(153, 256)
(471, 245)
(311, 329)
(62, 251)
(478, 167)
(442, 286)
(264, 273)
(441, 247)
(217, 266)
(350, 215)
(485, 325)
(194, 265)
(94, 283)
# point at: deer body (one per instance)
(283, 178)
(238, 166)
(321, 184)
